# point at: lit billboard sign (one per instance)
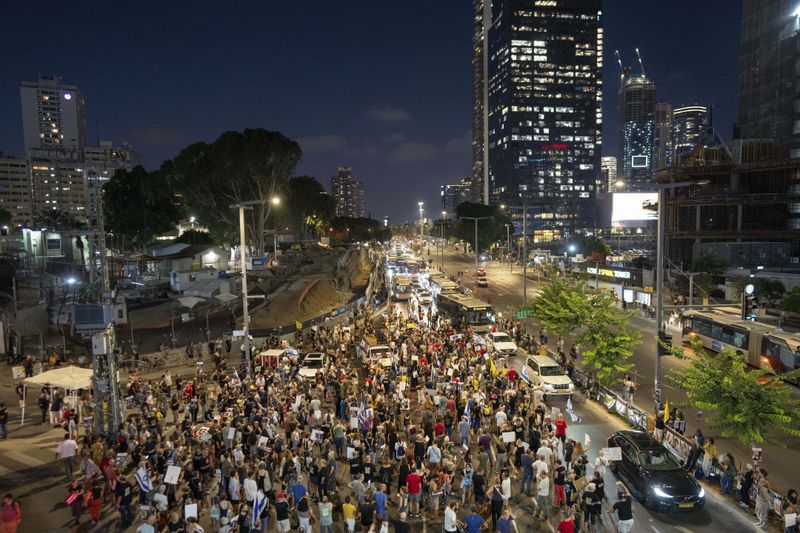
(640, 161)
(629, 206)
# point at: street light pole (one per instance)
(508, 246)
(662, 216)
(421, 222)
(243, 264)
(476, 219)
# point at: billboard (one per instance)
(629, 207)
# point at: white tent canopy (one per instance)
(69, 378)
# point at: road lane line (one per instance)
(22, 458)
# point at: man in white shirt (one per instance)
(540, 466)
(250, 490)
(543, 496)
(501, 417)
(66, 452)
(545, 453)
(450, 520)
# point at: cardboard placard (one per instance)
(190, 510)
(262, 441)
(789, 520)
(351, 452)
(316, 435)
(231, 434)
(353, 423)
(171, 477)
(612, 454)
(509, 436)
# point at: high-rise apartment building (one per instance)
(455, 194)
(58, 165)
(53, 115)
(544, 80)
(637, 123)
(689, 125)
(608, 173)
(770, 48)
(662, 150)
(348, 193)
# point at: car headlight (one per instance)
(660, 493)
(702, 493)
(549, 386)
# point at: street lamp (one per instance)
(508, 246)
(661, 188)
(476, 219)
(241, 206)
(421, 221)
(276, 201)
(441, 244)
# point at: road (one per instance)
(505, 294)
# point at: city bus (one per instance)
(442, 285)
(466, 311)
(782, 352)
(401, 288)
(719, 331)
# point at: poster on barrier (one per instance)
(622, 408)
(609, 401)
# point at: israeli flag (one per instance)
(258, 506)
(575, 418)
(143, 478)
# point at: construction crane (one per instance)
(619, 62)
(641, 65)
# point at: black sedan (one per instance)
(653, 475)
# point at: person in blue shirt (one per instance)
(474, 522)
(504, 524)
(380, 502)
(298, 491)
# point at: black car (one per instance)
(653, 475)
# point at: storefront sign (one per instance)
(610, 273)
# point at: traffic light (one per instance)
(664, 343)
(749, 307)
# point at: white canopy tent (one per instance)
(70, 378)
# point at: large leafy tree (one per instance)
(791, 302)
(566, 306)
(490, 229)
(253, 165)
(353, 229)
(745, 404)
(137, 206)
(309, 207)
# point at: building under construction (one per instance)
(748, 214)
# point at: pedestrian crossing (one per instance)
(17, 455)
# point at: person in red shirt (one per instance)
(438, 429)
(567, 525)
(561, 429)
(512, 375)
(414, 485)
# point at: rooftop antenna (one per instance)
(641, 65)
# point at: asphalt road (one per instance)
(505, 294)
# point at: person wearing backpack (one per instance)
(10, 514)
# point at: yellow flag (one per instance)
(492, 367)
(666, 411)
(298, 325)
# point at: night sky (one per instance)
(382, 86)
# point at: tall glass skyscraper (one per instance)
(637, 116)
(689, 123)
(544, 76)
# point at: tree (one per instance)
(708, 264)
(566, 306)
(195, 237)
(591, 244)
(309, 207)
(253, 165)
(490, 229)
(744, 403)
(768, 289)
(56, 219)
(355, 229)
(791, 302)
(138, 205)
(562, 306)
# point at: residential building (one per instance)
(689, 125)
(53, 115)
(663, 143)
(769, 50)
(15, 189)
(637, 123)
(348, 193)
(608, 173)
(544, 82)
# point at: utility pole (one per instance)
(476, 219)
(524, 208)
(243, 263)
(691, 286)
(508, 247)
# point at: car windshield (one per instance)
(380, 352)
(313, 363)
(551, 371)
(658, 460)
(501, 337)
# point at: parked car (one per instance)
(501, 343)
(312, 363)
(544, 371)
(482, 282)
(653, 475)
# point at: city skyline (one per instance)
(381, 111)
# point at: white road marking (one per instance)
(654, 528)
(22, 458)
